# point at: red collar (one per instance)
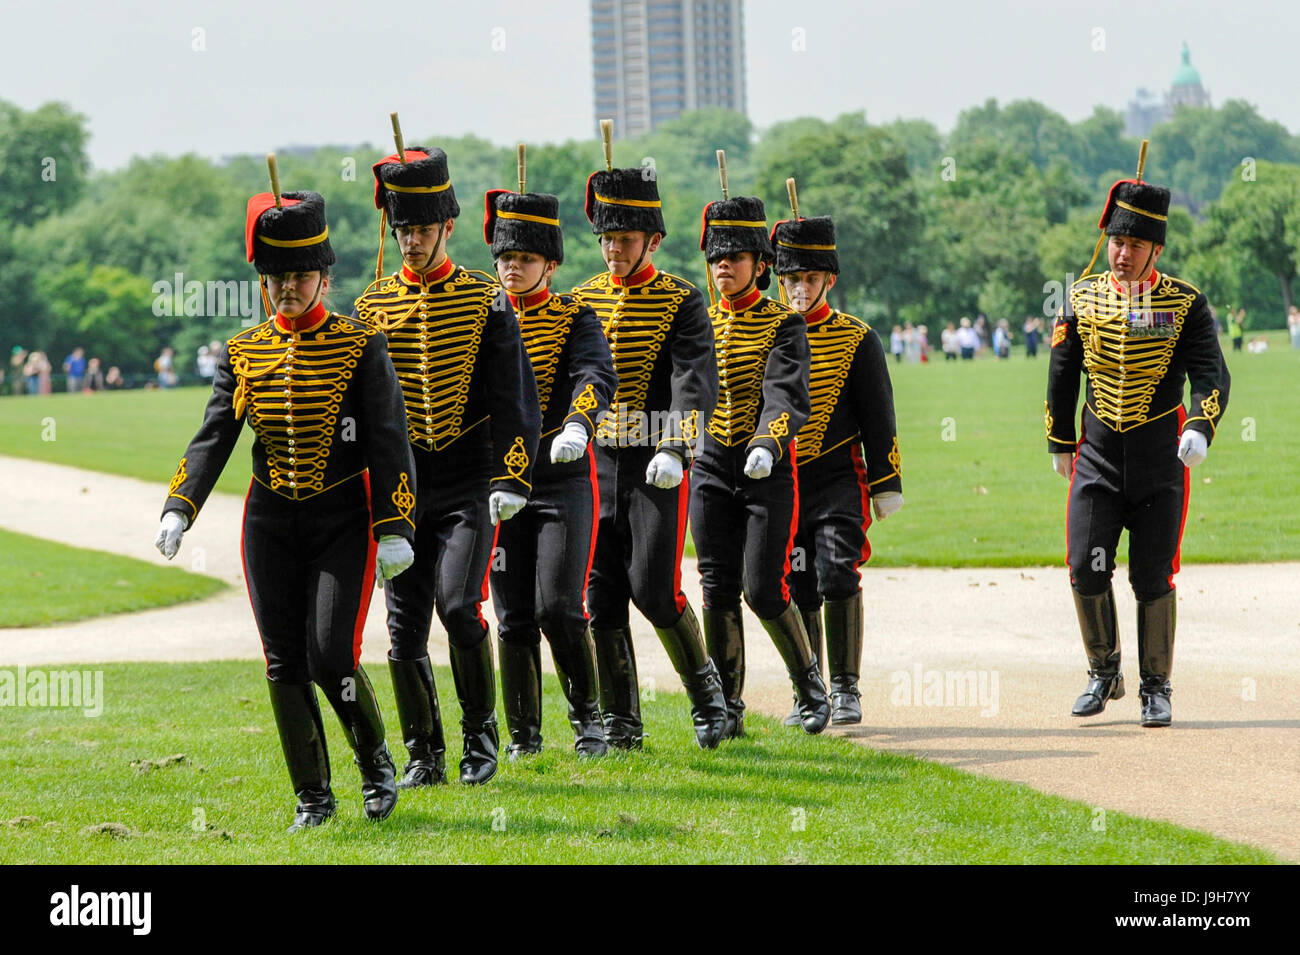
(531, 300)
(308, 321)
(428, 278)
(734, 305)
(821, 312)
(641, 277)
(1146, 285)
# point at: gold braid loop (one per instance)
(516, 459)
(402, 498)
(179, 478)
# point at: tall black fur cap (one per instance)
(1137, 209)
(293, 238)
(522, 222)
(805, 245)
(624, 200)
(722, 232)
(418, 191)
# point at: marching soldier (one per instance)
(472, 420)
(325, 515)
(744, 504)
(658, 333)
(1137, 333)
(541, 583)
(848, 455)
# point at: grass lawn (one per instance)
(72, 795)
(43, 582)
(985, 496)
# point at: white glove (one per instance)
(1063, 463)
(886, 503)
(503, 505)
(392, 556)
(1193, 448)
(759, 463)
(665, 470)
(170, 530)
(569, 444)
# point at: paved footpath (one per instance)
(1002, 643)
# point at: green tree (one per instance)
(43, 162)
(105, 310)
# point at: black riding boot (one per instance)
(471, 669)
(791, 642)
(812, 624)
(297, 717)
(620, 694)
(421, 718)
(844, 644)
(576, 667)
(1100, 632)
(724, 638)
(685, 646)
(521, 694)
(1156, 623)
(358, 711)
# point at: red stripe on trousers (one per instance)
(683, 505)
(367, 578)
(1187, 494)
(794, 525)
(864, 494)
(595, 524)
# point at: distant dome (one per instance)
(1187, 75)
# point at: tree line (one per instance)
(931, 226)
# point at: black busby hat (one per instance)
(805, 245)
(418, 191)
(1138, 209)
(736, 225)
(292, 238)
(624, 200)
(523, 222)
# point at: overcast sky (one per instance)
(320, 71)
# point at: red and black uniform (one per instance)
(539, 583)
(1138, 345)
(332, 474)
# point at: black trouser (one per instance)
(1131, 480)
(743, 529)
(454, 538)
(310, 569)
(639, 542)
(539, 570)
(834, 514)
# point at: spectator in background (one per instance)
(1033, 328)
(1237, 327)
(74, 366)
(1002, 339)
(923, 342)
(967, 340)
(37, 373)
(206, 363)
(113, 380)
(896, 343)
(910, 345)
(948, 341)
(981, 327)
(1293, 325)
(165, 366)
(94, 376)
(17, 360)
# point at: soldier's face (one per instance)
(1131, 259)
(805, 289)
(622, 250)
(733, 273)
(421, 245)
(522, 272)
(293, 293)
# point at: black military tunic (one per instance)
(659, 336)
(547, 548)
(1137, 351)
(473, 422)
(332, 473)
(848, 451)
(744, 528)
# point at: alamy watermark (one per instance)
(921, 687)
(75, 689)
